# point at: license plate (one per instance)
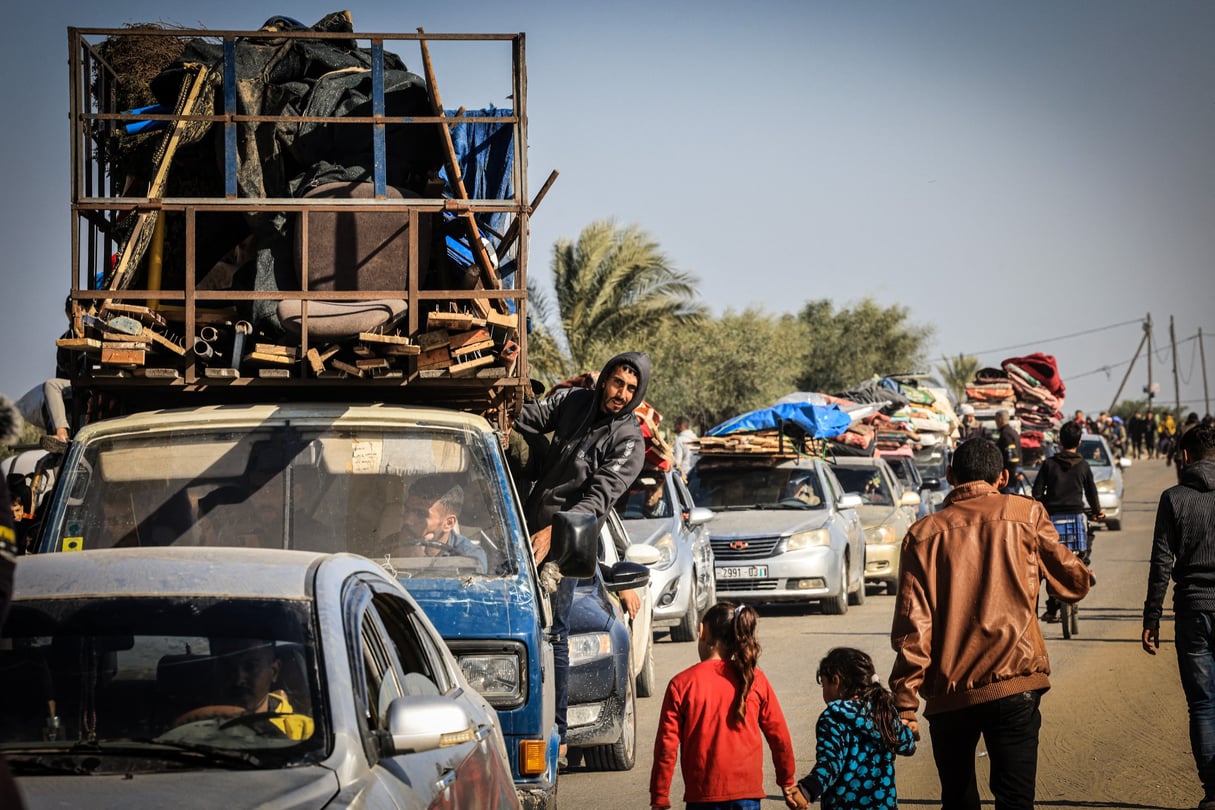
(742, 572)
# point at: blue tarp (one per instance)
(819, 421)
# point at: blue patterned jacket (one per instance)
(854, 767)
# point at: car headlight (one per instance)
(497, 676)
(666, 552)
(879, 534)
(586, 647)
(817, 537)
(1106, 486)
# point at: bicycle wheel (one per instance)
(1067, 618)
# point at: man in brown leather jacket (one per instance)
(966, 628)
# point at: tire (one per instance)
(837, 605)
(645, 678)
(1114, 524)
(622, 754)
(858, 597)
(689, 623)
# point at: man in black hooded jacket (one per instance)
(595, 453)
(1183, 549)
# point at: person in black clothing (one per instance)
(10, 431)
(1173, 457)
(1183, 548)
(1137, 429)
(1064, 483)
(1009, 442)
(595, 453)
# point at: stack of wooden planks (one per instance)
(759, 442)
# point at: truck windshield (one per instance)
(424, 500)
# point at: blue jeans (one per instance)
(1009, 727)
(562, 602)
(736, 804)
(1195, 633)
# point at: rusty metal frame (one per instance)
(96, 202)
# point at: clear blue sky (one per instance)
(1011, 173)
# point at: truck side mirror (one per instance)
(575, 545)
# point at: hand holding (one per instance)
(794, 799)
(631, 602)
(542, 541)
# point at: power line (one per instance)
(1061, 337)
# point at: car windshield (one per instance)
(726, 487)
(648, 498)
(931, 462)
(1093, 451)
(425, 501)
(154, 683)
(866, 482)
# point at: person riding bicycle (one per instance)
(1064, 483)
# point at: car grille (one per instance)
(729, 585)
(757, 548)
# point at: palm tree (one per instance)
(613, 289)
(957, 373)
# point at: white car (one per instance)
(1107, 474)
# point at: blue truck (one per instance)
(298, 289)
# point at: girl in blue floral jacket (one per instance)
(858, 735)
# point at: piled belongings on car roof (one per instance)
(787, 428)
(907, 415)
(261, 250)
(1030, 388)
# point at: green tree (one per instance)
(726, 366)
(614, 289)
(958, 372)
(849, 346)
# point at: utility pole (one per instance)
(1176, 384)
(1147, 328)
(1202, 355)
(1146, 331)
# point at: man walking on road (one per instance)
(965, 630)
(595, 453)
(1183, 547)
(1009, 442)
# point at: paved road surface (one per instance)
(1114, 724)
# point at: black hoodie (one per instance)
(1183, 546)
(1064, 482)
(593, 457)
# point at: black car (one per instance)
(602, 711)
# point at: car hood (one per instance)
(766, 522)
(475, 607)
(1102, 473)
(876, 515)
(647, 530)
(303, 787)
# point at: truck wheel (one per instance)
(645, 678)
(622, 754)
(689, 623)
(1114, 525)
(837, 605)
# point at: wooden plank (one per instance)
(275, 348)
(470, 365)
(121, 337)
(221, 373)
(163, 342)
(433, 340)
(461, 342)
(435, 358)
(274, 373)
(341, 365)
(273, 359)
(404, 350)
(122, 357)
(145, 315)
(317, 359)
(472, 348)
(158, 373)
(79, 344)
(391, 340)
(122, 345)
(371, 364)
(505, 320)
(453, 321)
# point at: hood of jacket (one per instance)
(1067, 458)
(637, 360)
(1199, 475)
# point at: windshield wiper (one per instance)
(183, 750)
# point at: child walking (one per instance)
(715, 716)
(858, 735)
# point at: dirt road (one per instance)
(1114, 729)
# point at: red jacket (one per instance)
(722, 758)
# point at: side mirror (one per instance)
(575, 546)
(642, 553)
(850, 501)
(418, 723)
(699, 516)
(626, 575)
(910, 499)
(931, 483)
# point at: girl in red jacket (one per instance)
(713, 716)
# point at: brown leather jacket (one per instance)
(965, 620)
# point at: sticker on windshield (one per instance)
(72, 544)
(365, 456)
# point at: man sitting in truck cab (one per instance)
(429, 523)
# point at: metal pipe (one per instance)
(242, 329)
(209, 334)
(203, 349)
